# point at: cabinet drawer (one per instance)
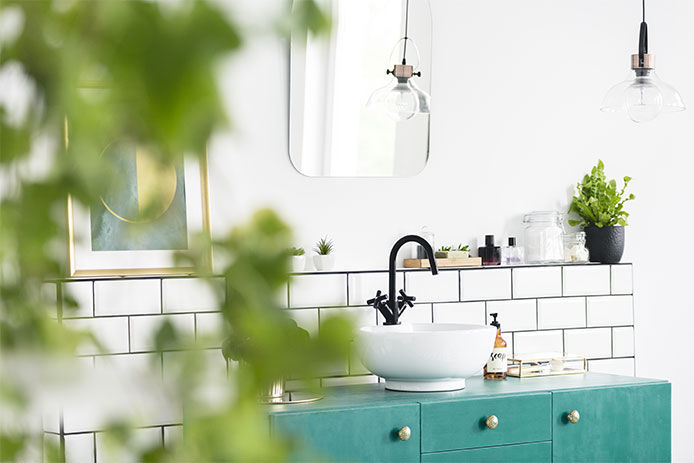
(538, 452)
(364, 434)
(462, 424)
(614, 424)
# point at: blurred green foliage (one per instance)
(145, 72)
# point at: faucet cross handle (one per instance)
(405, 300)
(378, 299)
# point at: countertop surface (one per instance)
(342, 397)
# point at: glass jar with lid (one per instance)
(544, 237)
(575, 250)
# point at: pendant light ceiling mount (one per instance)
(643, 95)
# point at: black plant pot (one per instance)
(606, 244)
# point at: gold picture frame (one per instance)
(84, 262)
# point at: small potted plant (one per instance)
(600, 206)
(442, 253)
(324, 259)
(461, 252)
(298, 259)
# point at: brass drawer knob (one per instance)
(492, 422)
(404, 433)
(573, 416)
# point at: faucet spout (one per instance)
(394, 307)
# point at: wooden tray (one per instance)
(424, 263)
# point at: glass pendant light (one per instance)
(401, 98)
(642, 95)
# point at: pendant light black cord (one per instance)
(643, 10)
(643, 34)
(407, 21)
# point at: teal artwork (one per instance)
(147, 208)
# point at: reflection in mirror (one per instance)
(348, 116)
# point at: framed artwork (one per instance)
(139, 226)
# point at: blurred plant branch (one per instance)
(145, 72)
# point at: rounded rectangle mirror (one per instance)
(359, 95)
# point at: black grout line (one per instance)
(94, 444)
(161, 296)
(129, 341)
(347, 278)
(59, 302)
(93, 299)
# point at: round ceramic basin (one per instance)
(425, 357)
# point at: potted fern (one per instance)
(298, 259)
(600, 208)
(324, 259)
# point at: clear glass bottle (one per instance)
(544, 237)
(428, 235)
(512, 254)
(575, 250)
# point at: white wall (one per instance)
(515, 123)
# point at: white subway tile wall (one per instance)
(485, 284)
(610, 311)
(460, 312)
(318, 290)
(127, 297)
(622, 279)
(581, 309)
(562, 312)
(536, 282)
(432, 288)
(192, 294)
(586, 280)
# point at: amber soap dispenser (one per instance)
(497, 365)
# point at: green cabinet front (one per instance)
(359, 434)
(537, 452)
(614, 424)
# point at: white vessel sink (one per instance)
(425, 357)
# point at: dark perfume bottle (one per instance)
(490, 254)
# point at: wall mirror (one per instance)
(347, 116)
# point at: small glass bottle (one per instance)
(497, 365)
(575, 250)
(543, 237)
(512, 254)
(428, 235)
(489, 253)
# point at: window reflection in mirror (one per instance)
(332, 131)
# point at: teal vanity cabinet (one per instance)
(592, 417)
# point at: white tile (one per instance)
(358, 316)
(610, 311)
(143, 330)
(432, 288)
(536, 282)
(420, 313)
(126, 297)
(192, 294)
(460, 312)
(622, 280)
(140, 440)
(79, 293)
(586, 280)
(111, 332)
(318, 290)
(508, 337)
(282, 297)
(623, 342)
(356, 367)
(536, 342)
(485, 284)
(209, 329)
(79, 448)
(306, 319)
(518, 315)
(172, 435)
(363, 286)
(130, 364)
(590, 342)
(49, 298)
(349, 380)
(562, 312)
(623, 367)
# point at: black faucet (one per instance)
(396, 305)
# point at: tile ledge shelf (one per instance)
(331, 272)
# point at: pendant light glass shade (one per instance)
(401, 99)
(643, 97)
